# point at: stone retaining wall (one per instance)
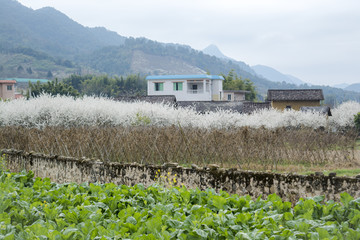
(289, 187)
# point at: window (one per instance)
(178, 86)
(288, 107)
(229, 97)
(159, 86)
(9, 87)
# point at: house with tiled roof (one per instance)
(186, 87)
(294, 98)
(7, 89)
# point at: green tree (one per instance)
(132, 84)
(20, 69)
(234, 82)
(49, 74)
(357, 121)
(51, 87)
(29, 70)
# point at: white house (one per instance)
(186, 87)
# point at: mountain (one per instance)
(260, 70)
(341, 85)
(146, 57)
(213, 50)
(46, 41)
(50, 31)
(353, 87)
(275, 76)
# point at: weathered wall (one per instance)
(290, 187)
(296, 105)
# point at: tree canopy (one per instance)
(234, 82)
(132, 84)
(52, 88)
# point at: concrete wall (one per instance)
(186, 94)
(235, 96)
(216, 89)
(281, 105)
(288, 186)
(5, 93)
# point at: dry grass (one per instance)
(257, 149)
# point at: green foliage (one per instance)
(52, 88)
(234, 82)
(2, 163)
(38, 209)
(357, 121)
(108, 86)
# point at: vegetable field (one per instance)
(39, 209)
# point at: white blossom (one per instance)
(47, 110)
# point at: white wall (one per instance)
(182, 95)
(216, 89)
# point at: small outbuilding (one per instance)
(234, 95)
(7, 89)
(295, 98)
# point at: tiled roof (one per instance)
(26, 80)
(7, 81)
(295, 95)
(175, 77)
(235, 91)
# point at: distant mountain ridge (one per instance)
(49, 30)
(353, 87)
(47, 34)
(213, 50)
(341, 85)
(276, 76)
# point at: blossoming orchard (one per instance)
(65, 111)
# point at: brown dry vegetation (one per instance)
(245, 148)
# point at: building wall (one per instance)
(281, 105)
(184, 94)
(235, 96)
(5, 93)
(289, 187)
(216, 90)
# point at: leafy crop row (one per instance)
(39, 209)
(92, 111)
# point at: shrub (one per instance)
(357, 121)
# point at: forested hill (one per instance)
(49, 30)
(150, 57)
(146, 57)
(47, 43)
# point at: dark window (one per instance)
(9, 87)
(288, 107)
(159, 86)
(229, 97)
(178, 86)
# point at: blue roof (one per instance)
(201, 76)
(26, 80)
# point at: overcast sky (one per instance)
(317, 41)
